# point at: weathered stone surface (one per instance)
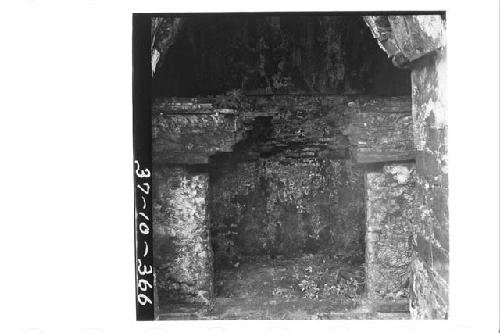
(192, 130)
(411, 38)
(370, 127)
(368, 156)
(273, 207)
(186, 133)
(429, 292)
(191, 106)
(311, 123)
(389, 205)
(371, 104)
(429, 104)
(182, 248)
(408, 38)
(380, 137)
(418, 35)
(381, 29)
(429, 295)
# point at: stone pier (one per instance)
(182, 250)
(389, 205)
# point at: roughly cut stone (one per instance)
(406, 38)
(182, 249)
(381, 29)
(270, 206)
(191, 138)
(429, 296)
(389, 206)
(418, 35)
(381, 137)
(191, 131)
(429, 292)
(411, 38)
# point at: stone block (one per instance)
(428, 294)
(182, 249)
(389, 207)
(406, 38)
(190, 138)
(418, 35)
(270, 206)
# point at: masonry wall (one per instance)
(277, 175)
(188, 132)
(288, 207)
(390, 195)
(429, 294)
(182, 249)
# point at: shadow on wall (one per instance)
(271, 207)
(277, 54)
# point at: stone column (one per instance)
(182, 250)
(389, 206)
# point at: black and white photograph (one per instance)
(299, 166)
(264, 166)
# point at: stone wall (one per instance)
(282, 181)
(390, 195)
(189, 132)
(419, 42)
(182, 249)
(430, 265)
(371, 129)
(381, 136)
(289, 207)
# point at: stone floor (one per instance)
(309, 287)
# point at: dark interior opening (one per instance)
(213, 54)
(287, 223)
